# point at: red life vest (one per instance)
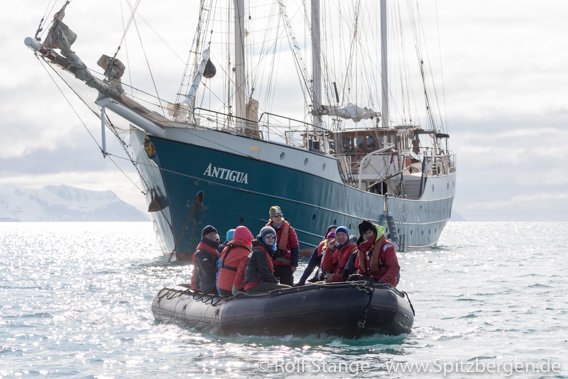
(335, 262)
(194, 282)
(322, 247)
(370, 261)
(283, 253)
(373, 263)
(233, 263)
(210, 250)
(249, 285)
(268, 257)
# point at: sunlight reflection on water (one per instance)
(75, 300)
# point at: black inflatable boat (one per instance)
(347, 309)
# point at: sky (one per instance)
(505, 70)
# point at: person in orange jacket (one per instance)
(233, 262)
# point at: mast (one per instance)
(384, 67)
(316, 62)
(240, 84)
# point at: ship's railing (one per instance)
(395, 171)
(440, 164)
(269, 127)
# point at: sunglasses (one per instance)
(269, 236)
(277, 216)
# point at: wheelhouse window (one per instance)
(371, 144)
(359, 142)
(346, 143)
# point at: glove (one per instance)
(235, 291)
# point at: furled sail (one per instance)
(60, 36)
(350, 112)
(206, 69)
(252, 114)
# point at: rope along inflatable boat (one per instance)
(347, 309)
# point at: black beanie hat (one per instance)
(208, 229)
(365, 225)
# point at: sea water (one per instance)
(75, 301)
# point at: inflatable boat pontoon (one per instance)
(346, 309)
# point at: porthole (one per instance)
(282, 155)
(423, 232)
(334, 222)
(432, 188)
(241, 221)
(314, 216)
(448, 186)
(323, 167)
(306, 162)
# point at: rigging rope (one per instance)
(113, 129)
(110, 155)
(126, 52)
(445, 121)
(125, 148)
(84, 125)
(149, 68)
(133, 12)
(46, 13)
(362, 320)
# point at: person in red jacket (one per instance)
(287, 252)
(205, 261)
(233, 262)
(334, 263)
(377, 258)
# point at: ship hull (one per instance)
(209, 177)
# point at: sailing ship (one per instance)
(222, 154)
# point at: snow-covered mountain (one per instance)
(456, 216)
(63, 203)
